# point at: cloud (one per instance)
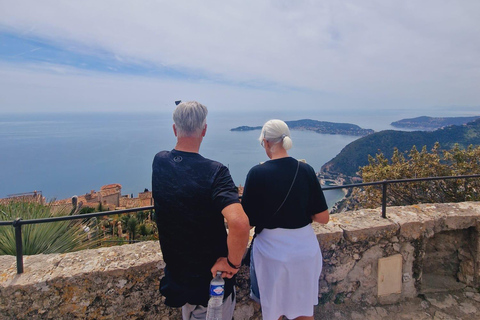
(381, 53)
(56, 88)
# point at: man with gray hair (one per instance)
(193, 196)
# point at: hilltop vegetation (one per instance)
(355, 154)
(418, 164)
(319, 127)
(430, 123)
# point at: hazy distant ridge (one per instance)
(431, 123)
(319, 127)
(355, 154)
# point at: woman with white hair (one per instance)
(282, 197)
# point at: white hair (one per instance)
(190, 118)
(276, 131)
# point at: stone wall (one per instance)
(365, 257)
(127, 202)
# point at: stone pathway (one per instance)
(452, 305)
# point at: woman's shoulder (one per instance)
(307, 170)
(304, 164)
(258, 168)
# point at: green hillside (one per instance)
(355, 154)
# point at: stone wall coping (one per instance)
(45, 267)
(409, 222)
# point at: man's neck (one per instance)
(189, 144)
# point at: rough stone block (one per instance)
(408, 284)
(413, 223)
(340, 272)
(328, 235)
(366, 225)
(460, 217)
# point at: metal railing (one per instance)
(17, 223)
(385, 184)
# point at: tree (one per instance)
(142, 216)
(132, 228)
(51, 237)
(131, 224)
(421, 164)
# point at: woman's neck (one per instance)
(282, 153)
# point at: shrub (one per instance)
(422, 164)
(51, 237)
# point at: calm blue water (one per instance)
(67, 154)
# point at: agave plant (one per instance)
(51, 237)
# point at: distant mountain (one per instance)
(429, 123)
(355, 154)
(319, 127)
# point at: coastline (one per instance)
(63, 153)
(340, 196)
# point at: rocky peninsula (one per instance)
(319, 127)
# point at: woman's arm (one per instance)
(321, 217)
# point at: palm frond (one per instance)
(51, 237)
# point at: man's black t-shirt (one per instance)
(189, 194)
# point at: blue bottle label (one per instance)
(216, 290)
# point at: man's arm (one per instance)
(237, 240)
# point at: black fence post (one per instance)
(18, 244)
(384, 199)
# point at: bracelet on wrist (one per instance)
(232, 265)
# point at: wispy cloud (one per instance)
(369, 54)
(29, 51)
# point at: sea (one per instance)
(67, 154)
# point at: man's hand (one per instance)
(222, 265)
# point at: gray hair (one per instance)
(276, 131)
(190, 118)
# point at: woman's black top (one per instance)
(267, 185)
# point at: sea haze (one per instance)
(67, 154)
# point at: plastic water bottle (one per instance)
(217, 289)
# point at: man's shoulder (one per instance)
(193, 159)
(163, 154)
(213, 162)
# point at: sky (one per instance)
(140, 56)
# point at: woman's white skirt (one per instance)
(288, 263)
